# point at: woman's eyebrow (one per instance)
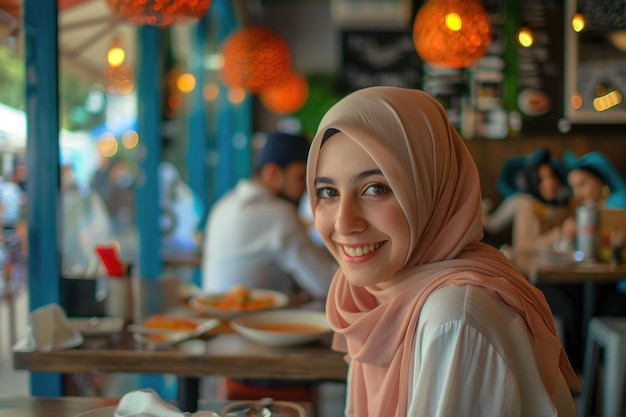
(369, 173)
(324, 180)
(359, 177)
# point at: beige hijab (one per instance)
(436, 182)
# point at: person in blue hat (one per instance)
(595, 181)
(544, 207)
(592, 177)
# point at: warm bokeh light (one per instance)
(525, 37)
(186, 82)
(255, 58)
(578, 22)
(107, 145)
(577, 101)
(116, 56)
(120, 79)
(454, 22)
(125, 86)
(130, 139)
(287, 97)
(211, 92)
(452, 33)
(606, 101)
(159, 12)
(236, 95)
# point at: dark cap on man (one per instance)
(283, 149)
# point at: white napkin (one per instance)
(147, 403)
(50, 329)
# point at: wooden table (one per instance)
(50, 407)
(558, 270)
(20, 406)
(544, 267)
(227, 355)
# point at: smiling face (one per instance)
(357, 213)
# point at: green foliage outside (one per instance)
(72, 96)
(12, 70)
(323, 93)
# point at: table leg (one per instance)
(188, 393)
(589, 307)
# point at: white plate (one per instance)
(97, 326)
(201, 303)
(108, 411)
(157, 337)
(299, 327)
(533, 102)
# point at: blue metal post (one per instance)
(42, 156)
(233, 131)
(147, 191)
(197, 146)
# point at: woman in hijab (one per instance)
(434, 323)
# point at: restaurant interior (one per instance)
(184, 96)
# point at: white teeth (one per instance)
(362, 250)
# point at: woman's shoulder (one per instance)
(470, 305)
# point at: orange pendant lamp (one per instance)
(288, 96)
(159, 12)
(452, 33)
(255, 58)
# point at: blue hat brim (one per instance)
(509, 182)
(599, 163)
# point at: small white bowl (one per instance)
(203, 303)
(287, 327)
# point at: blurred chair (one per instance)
(231, 389)
(609, 334)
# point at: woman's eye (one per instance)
(325, 192)
(377, 189)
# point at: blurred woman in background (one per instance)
(541, 223)
(544, 207)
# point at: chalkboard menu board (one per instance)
(540, 67)
(379, 57)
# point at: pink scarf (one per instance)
(436, 182)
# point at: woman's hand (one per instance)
(568, 229)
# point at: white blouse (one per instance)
(475, 357)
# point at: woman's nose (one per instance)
(350, 218)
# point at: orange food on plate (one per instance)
(170, 323)
(242, 298)
(289, 327)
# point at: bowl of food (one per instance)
(239, 300)
(164, 330)
(287, 327)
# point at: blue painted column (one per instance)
(148, 211)
(42, 157)
(233, 128)
(197, 145)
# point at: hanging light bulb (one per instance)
(159, 12)
(452, 33)
(578, 22)
(116, 54)
(525, 36)
(255, 58)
